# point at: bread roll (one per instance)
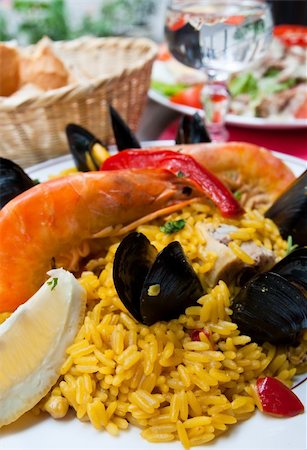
(43, 68)
(9, 70)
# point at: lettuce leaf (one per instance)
(244, 83)
(167, 89)
(269, 85)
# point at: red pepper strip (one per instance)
(180, 165)
(277, 399)
(195, 336)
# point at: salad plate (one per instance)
(42, 432)
(231, 119)
(271, 94)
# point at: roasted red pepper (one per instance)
(277, 399)
(180, 165)
(195, 336)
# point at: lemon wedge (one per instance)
(33, 341)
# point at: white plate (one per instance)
(54, 166)
(260, 432)
(159, 73)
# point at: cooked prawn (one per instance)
(45, 223)
(52, 218)
(252, 170)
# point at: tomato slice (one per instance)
(301, 112)
(177, 24)
(277, 399)
(234, 20)
(163, 53)
(189, 97)
(291, 34)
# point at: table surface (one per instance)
(160, 122)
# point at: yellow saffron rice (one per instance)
(120, 372)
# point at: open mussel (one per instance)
(294, 267)
(124, 136)
(272, 306)
(289, 211)
(154, 286)
(269, 308)
(13, 181)
(192, 130)
(133, 259)
(87, 150)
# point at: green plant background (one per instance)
(40, 18)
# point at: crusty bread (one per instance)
(43, 68)
(9, 70)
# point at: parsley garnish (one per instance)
(180, 174)
(237, 194)
(290, 245)
(53, 282)
(172, 226)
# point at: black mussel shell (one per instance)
(192, 130)
(124, 137)
(294, 267)
(13, 181)
(270, 308)
(133, 259)
(177, 283)
(81, 142)
(154, 286)
(289, 211)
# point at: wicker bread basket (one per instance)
(115, 70)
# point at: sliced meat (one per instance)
(275, 103)
(264, 258)
(228, 266)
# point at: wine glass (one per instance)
(219, 37)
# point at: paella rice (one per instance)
(188, 379)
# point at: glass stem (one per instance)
(215, 100)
